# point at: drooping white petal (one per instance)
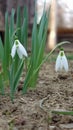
(58, 63)
(13, 51)
(19, 53)
(21, 50)
(61, 62)
(65, 63)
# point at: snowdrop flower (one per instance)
(61, 62)
(19, 48)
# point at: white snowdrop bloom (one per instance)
(61, 62)
(19, 48)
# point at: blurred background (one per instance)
(63, 9)
(7, 5)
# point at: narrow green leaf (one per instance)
(17, 75)
(27, 80)
(18, 34)
(18, 24)
(41, 28)
(1, 51)
(34, 44)
(11, 27)
(11, 76)
(24, 29)
(1, 84)
(63, 112)
(6, 47)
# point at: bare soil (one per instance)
(26, 114)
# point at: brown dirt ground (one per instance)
(26, 114)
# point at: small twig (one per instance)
(46, 110)
(42, 102)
